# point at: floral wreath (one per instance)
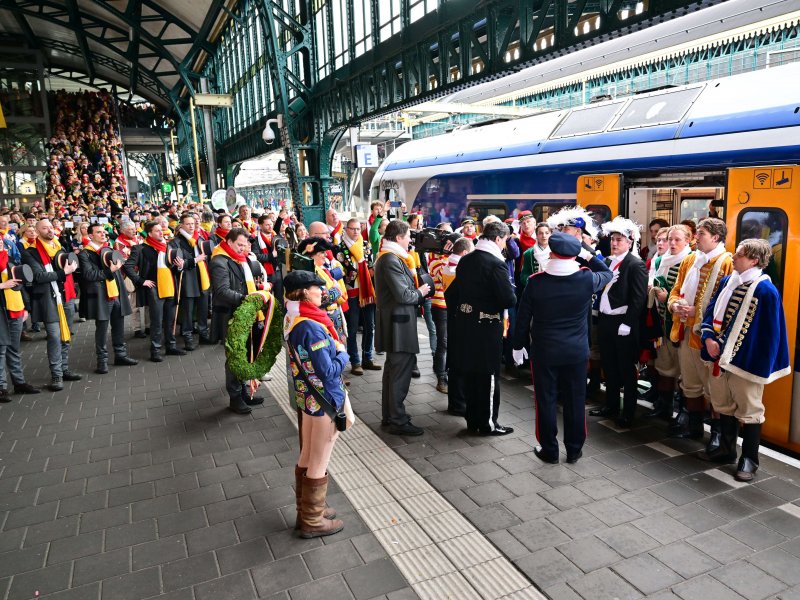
(247, 357)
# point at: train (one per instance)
(728, 148)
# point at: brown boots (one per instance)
(314, 518)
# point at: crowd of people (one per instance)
(492, 295)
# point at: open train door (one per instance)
(601, 195)
(764, 202)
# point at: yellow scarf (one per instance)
(202, 267)
(330, 283)
(112, 291)
(28, 243)
(410, 261)
(51, 249)
(14, 301)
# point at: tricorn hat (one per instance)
(624, 227)
(574, 216)
(313, 245)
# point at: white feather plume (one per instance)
(568, 215)
(625, 227)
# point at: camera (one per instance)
(302, 263)
(280, 245)
(432, 240)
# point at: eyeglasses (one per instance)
(353, 228)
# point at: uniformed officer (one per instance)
(553, 313)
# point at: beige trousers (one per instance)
(694, 371)
(736, 396)
(667, 359)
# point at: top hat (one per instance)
(108, 256)
(22, 272)
(206, 246)
(425, 278)
(63, 258)
(170, 255)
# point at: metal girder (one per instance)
(80, 35)
(460, 45)
(134, 12)
(25, 27)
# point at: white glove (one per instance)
(519, 356)
(585, 254)
(623, 330)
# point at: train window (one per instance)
(587, 120)
(541, 211)
(694, 209)
(769, 224)
(481, 210)
(600, 213)
(658, 109)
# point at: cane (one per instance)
(178, 303)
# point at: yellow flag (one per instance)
(2, 118)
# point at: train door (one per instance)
(601, 195)
(764, 202)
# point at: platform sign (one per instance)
(166, 187)
(765, 195)
(366, 156)
(603, 190)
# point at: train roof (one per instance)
(753, 101)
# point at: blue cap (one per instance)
(566, 246)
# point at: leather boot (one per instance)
(121, 357)
(724, 452)
(689, 422)
(748, 464)
(102, 367)
(593, 385)
(715, 436)
(441, 384)
(312, 508)
(662, 405)
(299, 473)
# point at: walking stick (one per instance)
(177, 303)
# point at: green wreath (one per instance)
(240, 328)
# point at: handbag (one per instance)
(344, 418)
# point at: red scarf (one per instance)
(232, 253)
(525, 242)
(69, 283)
(85, 241)
(126, 241)
(221, 233)
(315, 313)
(268, 242)
(158, 246)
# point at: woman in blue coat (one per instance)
(317, 359)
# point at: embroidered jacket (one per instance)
(753, 334)
(323, 365)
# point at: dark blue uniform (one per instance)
(554, 312)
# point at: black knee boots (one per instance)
(748, 464)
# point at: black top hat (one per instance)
(425, 278)
(255, 268)
(170, 255)
(22, 272)
(63, 258)
(206, 246)
(108, 256)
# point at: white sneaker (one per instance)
(267, 377)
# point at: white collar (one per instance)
(491, 248)
(394, 248)
(615, 260)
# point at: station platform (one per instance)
(140, 484)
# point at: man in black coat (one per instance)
(553, 317)
(146, 262)
(230, 282)
(195, 287)
(398, 297)
(265, 245)
(46, 295)
(478, 299)
(103, 299)
(621, 305)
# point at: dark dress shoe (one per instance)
(357, 370)
(624, 422)
(125, 361)
(407, 429)
(239, 406)
(56, 385)
(147, 331)
(544, 457)
(156, 358)
(101, 369)
(603, 412)
(175, 351)
(573, 458)
(498, 430)
(26, 388)
(139, 334)
(254, 401)
(71, 376)
(4, 397)
(189, 346)
(371, 366)
(416, 374)
(25, 336)
(206, 341)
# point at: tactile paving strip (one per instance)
(440, 553)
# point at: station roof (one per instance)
(149, 47)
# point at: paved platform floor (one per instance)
(139, 484)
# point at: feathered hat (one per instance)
(625, 227)
(573, 216)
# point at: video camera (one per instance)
(430, 239)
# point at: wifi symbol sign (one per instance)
(598, 184)
(762, 179)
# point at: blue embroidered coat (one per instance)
(753, 336)
(322, 363)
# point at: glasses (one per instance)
(353, 228)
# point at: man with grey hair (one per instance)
(478, 300)
(744, 338)
(124, 243)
